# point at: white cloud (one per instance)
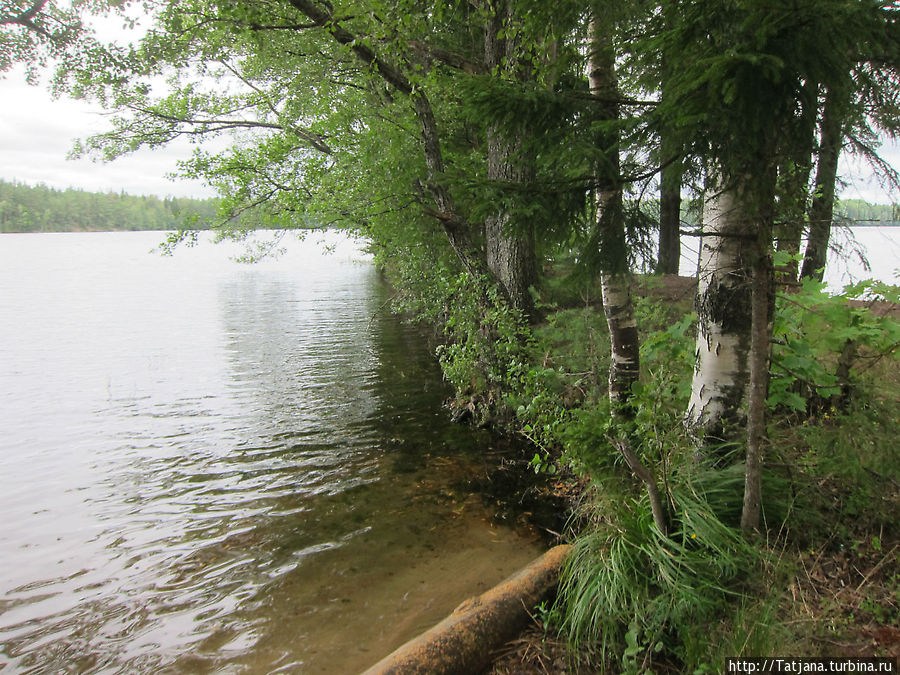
(37, 132)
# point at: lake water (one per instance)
(855, 254)
(212, 467)
(863, 253)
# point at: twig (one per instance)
(876, 568)
(378, 311)
(882, 476)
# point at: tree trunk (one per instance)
(821, 212)
(792, 216)
(794, 189)
(672, 172)
(760, 341)
(615, 277)
(669, 257)
(723, 305)
(509, 243)
(618, 306)
(511, 259)
(466, 640)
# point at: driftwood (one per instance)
(465, 640)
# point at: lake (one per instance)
(861, 252)
(213, 467)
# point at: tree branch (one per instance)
(657, 506)
(457, 229)
(316, 140)
(26, 19)
(214, 125)
(326, 20)
(447, 57)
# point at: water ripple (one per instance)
(197, 456)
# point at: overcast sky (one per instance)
(37, 132)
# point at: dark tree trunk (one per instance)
(760, 352)
(671, 175)
(793, 178)
(821, 212)
(792, 215)
(509, 242)
(669, 214)
(511, 259)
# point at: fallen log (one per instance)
(465, 640)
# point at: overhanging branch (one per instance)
(26, 19)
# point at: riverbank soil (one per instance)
(829, 583)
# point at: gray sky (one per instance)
(37, 132)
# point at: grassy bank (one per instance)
(823, 577)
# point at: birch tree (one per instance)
(723, 307)
(615, 277)
(758, 61)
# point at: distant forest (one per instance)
(25, 208)
(863, 213)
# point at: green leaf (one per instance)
(788, 398)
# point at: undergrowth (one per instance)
(635, 600)
(822, 579)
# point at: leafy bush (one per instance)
(822, 341)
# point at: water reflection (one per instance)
(224, 469)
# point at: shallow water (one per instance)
(209, 467)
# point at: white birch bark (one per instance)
(721, 370)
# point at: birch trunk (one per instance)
(615, 277)
(618, 306)
(723, 305)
